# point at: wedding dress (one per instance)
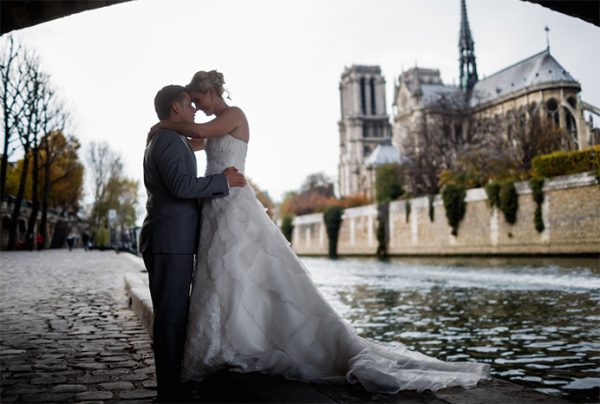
(254, 307)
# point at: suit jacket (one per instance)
(172, 218)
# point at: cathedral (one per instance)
(368, 139)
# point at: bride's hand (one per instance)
(153, 130)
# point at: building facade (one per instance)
(538, 84)
(364, 125)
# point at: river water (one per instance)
(535, 320)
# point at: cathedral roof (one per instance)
(539, 69)
(384, 153)
(433, 93)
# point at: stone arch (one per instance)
(552, 110)
(570, 120)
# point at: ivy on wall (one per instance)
(492, 191)
(383, 218)
(431, 208)
(537, 193)
(509, 201)
(333, 221)
(454, 203)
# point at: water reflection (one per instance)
(536, 321)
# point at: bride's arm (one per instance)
(225, 123)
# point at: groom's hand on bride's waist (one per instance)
(234, 177)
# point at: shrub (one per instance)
(333, 221)
(492, 191)
(102, 238)
(537, 193)
(388, 183)
(509, 201)
(567, 162)
(287, 227)
(454, 203)
(351, 201)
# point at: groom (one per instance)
(169, 236)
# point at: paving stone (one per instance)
(135, 377)
(137, 394)
(47, 397)
(94, 395)
(69, 388)
(20, 368)
(117, 386)
(149, 384)
(49, 380)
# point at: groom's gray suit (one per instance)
(168, 242)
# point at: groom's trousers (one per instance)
(170, 278)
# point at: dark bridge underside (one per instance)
(21, 14)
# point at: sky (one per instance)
(282, 61)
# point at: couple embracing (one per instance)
(253, 306)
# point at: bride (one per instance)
(254, 307)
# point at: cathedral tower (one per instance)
(363, 126)
(468, 68)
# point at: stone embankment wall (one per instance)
(571, 214)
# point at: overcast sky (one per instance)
(282, 62)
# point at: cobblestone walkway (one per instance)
(66, 332)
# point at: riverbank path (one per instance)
(68, 334)
(66, 331)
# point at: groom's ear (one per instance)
(176, 107)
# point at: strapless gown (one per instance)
(254, 307)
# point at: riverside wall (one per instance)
(571, 214)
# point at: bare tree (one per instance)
(13, 82)
(105, 165)
(28, 129)
(318, 183)
(447, 132)
(54, 121)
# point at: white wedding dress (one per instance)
(254, 307)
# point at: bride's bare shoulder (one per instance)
(236, 111)
(242, 130)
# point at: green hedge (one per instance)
(388, 183)
(567, 162)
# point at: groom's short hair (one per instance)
(165, 98)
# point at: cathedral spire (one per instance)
(468, 68)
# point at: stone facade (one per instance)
(571, 214)
(363, 126)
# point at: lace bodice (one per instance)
(223, 152)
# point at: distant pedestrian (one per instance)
(39, 241)
(70, 241)
(85, 239)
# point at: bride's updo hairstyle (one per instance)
(203, 81)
